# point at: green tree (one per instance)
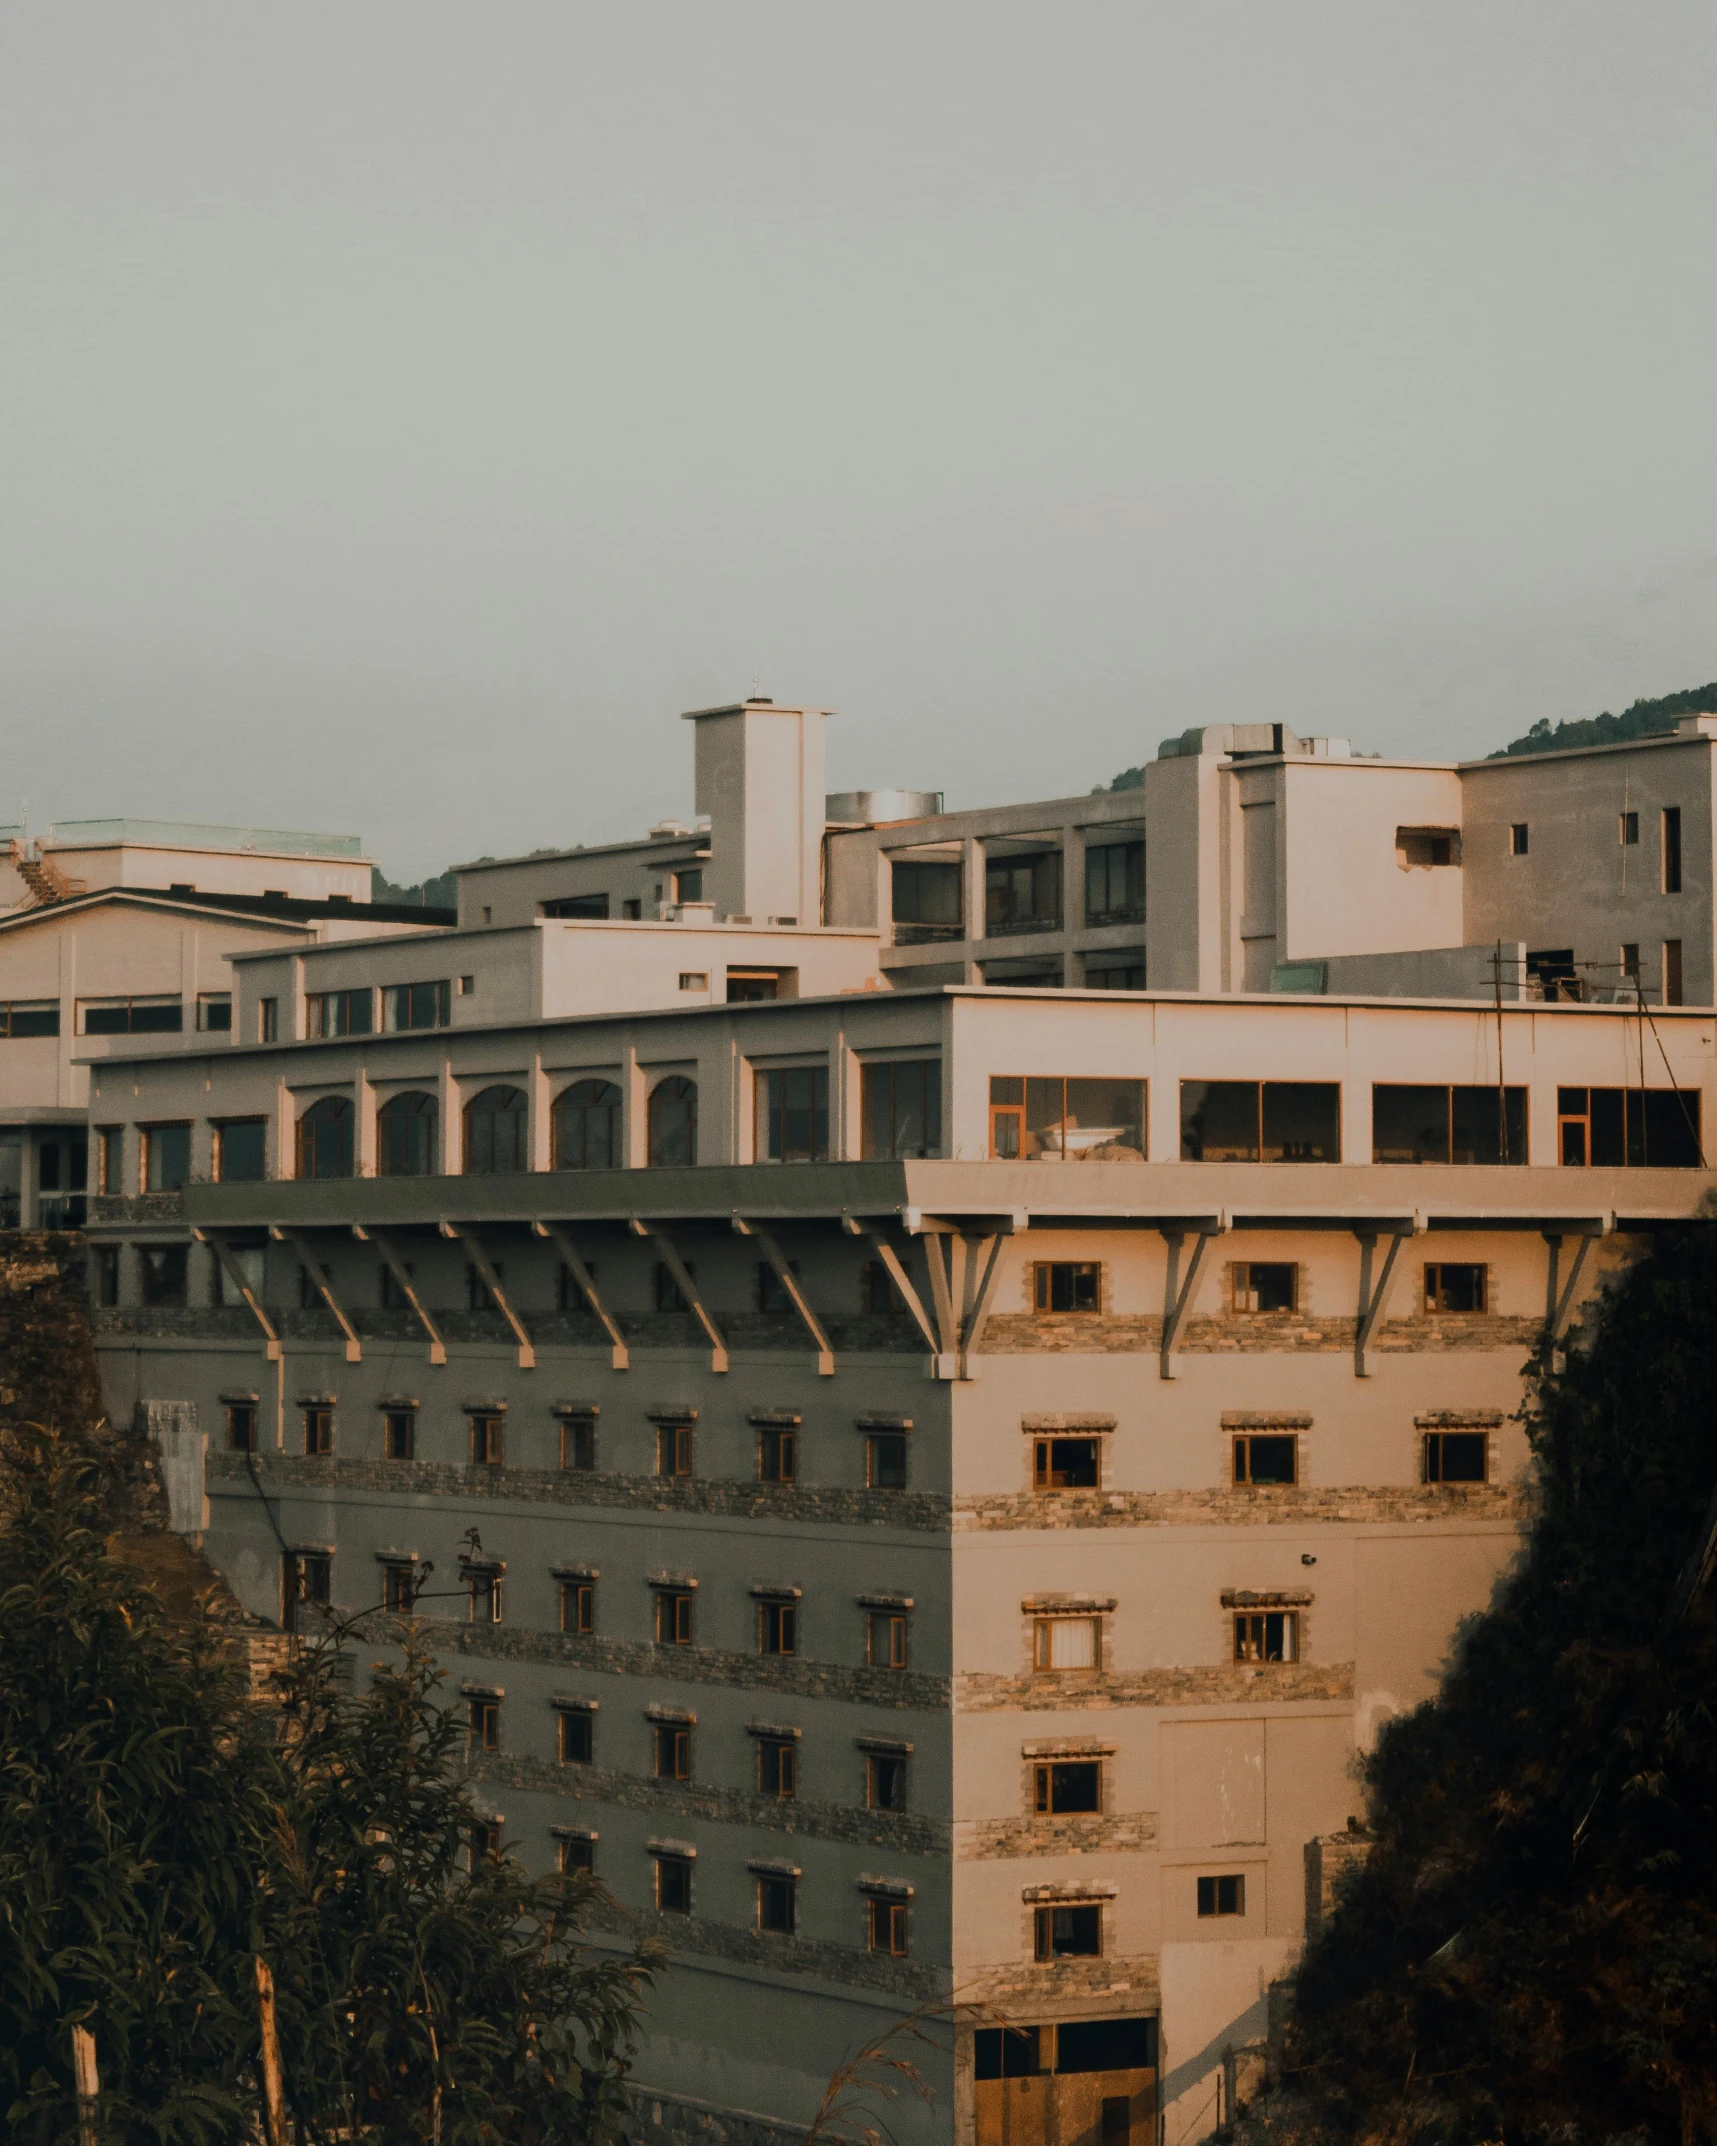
(159, 1832)
(1531, 1951)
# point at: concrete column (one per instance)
(363, 1122)
(1072, 900)
(633, 1088)
(972, 858)
(452, 1124)
(536, 1088)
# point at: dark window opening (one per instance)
(1066, 1285)
(1274, 1459)
(1260, 1121)
(318, 1432)
(885, 1460)
(1068, 1785)
(166, 1269)
(483, 1586)
(673, 1617)
(409, 1006)
(673, 1122)
(577, 1736)
(751, 987)
(1455, 1285)
(497, 1133)
(793, 1114)
(1008, 2053)
(107, 1276)
(578, 1606)
(1447, 1124)
(878, 1291)
(671, 1749)
(1672, 849)
(886, 1926)
(20, 1018)
(325, 1138)
(777, 1905)
(399, 1589)
(885, 1638)
(408, 1135)
(1266, 1285)
(1051, 1119)
(777, 1627)
(339, 1013)
(1629, 830)
(777, 1768)
(241, 1150)
(901, 1106)
(777, 1455)
(674, 1884)
(307, 1578)
(1022, 893)
(675, 1448)
(577, 1852)
(241, 1426)
(585, 1127)
(884, 1781)
(927, 902)
(166, 1158)
(488, 1441)
(1066, 1464)
(1222, 1896)
(578, 1442)
(1457, 1457)
(399, 1434)
(772, 1295)
(589, 906)
(1517, 839)
(1267, 1636)
(1069, 1933)
(1600, 1128)
(1114, 883)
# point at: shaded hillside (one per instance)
(1645, 719)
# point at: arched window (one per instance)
(325, 1138)
(587, 1127)
(495, 1133)
(674, 1120)
(406, 1129)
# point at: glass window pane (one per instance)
(1479, 1125)
(1105, 1121)
(1073, 1643)
(1219, 1120)
(1609, 1148)
(1671, 1129)
(241, 1151)
(1409, 1124)
(1302, 1121)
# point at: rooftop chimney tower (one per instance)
(760, 780)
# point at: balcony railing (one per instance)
(1018, 927)
(927, 934)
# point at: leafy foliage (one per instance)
(1531, 1951)
(1645, 719)
(441, 891)
(159, 1832)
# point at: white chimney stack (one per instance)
(760, 780)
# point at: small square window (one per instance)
(777, 1456)
(577, 1736)
(1272, 1459)
(674, 1884)
(777, 1767)
(318, 1432)
(1065, 1643)
(241, 1426)
(1266, 1285)
(885, 1460)
(1267, 1636)
(777, 1628)
(399, 1589)
(673, 1617)
(1517, 843)
(885, 1635)
(578, 1442)
(1222, 1896)
(884, 1781)
(885, 1922)
(166, 1271)
(1452, 1285)
(577, 1852)
(399, 1434)
(1067, 1285)
(485, 1724)
(1068, 1785)
(1457, 1457)
(694, 979)
(1629, 829)
(674, 1449)
(777, 1905)
(671, 1751)
(1065, 1464)
(487, 1435)
(578, 1605)
(1069, 1933)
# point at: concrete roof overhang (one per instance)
(983, 1197)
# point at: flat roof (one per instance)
(198, 834)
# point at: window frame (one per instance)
(1044, 1273)
(887, 1926)
(778, 1755)
(1435, 1290)
(1044, 1626)
(672, 1874)
(1222, 1905)
(1044, 1782)
(318, 1421)
(780, 1917)
(675, 1618)
(777, 1103)
(670, 1750)
(877, 1443)
(571, 1116)
(895, 1626)
(577, 1594)
(1240, 1290)
(1434, 1448)
(399, 1428)
(1289, 1640)
(1243, 1460)
(1260, 1148)
(777, 1453)
(1044, 1919)
(879, 1080)
(488, 1438)
(778, 1626)
(1044, 1481)
(574, 1726)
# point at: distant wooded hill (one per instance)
(441, 892)
(1646, 718)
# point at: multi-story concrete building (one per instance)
(930, 1490)
(111, 929)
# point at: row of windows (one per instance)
(1022, 892)
(1627, 835)
(151, 1015)
(1030, 1119)
(1256, 1286)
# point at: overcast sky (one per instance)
(405, 410)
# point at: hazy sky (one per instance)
(405, 410)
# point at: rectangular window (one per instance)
(926, 902)
(578, 1605)
(777, 1904)
(1447, 1124)
(673, 1884)
(241, 1426)
(1629, 829)
(675, 1450)
(885, 1638)
(1010, 2052)
(878, 1292)
(110, 1158)
(1067, 1285)
(484, 1724)
(1672, 849)
(1103, 972)
(1065, 1464)
(671, 1750)
(885, 1460)
(1672, 995)
(669, 1295)
(688, 885)
(1222, 1896)
(1260, 1121)
(1068, 1785)
(1609, 1128)
(165, 1273)
(166, 1158)
(771, 1295)
(1517, 843)
(578, 1442)
(778, 1767)
(793, 1114)
(160, 1016)
(1022, 893)
(1265, 1285)
(777, 1455)
(576, 1852)
(1455, 1285)
(901, 1105)
(886, 1926)
(632, 909)
(484, 1586)
(592, 907)
(1267, 1636)
(307, 1583)
(343, 1013)
(399, 1434)
(407, 1006)
(1272, 1459)
(107, 1276)
(1630, 962)
(694, 979)
(487, 1441)
(30, 1017)
(673, 1617)
(884, 1781)
(577, 1735)
(241, 1150)
(1065, 1643)
(485, 1841)
(1058, 1120)
(1069, 1932)
(1457, 1457)
(268, 1020)
(1114, 882)
(399, 1589)
(318, 1432)
(777, 1627)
